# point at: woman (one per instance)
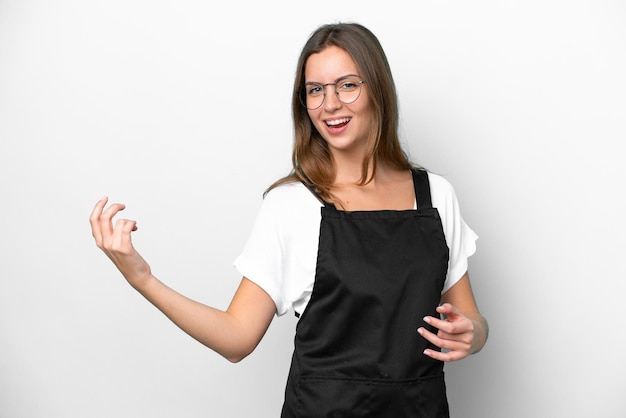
(369, 251)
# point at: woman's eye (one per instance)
(314, 90)
(347, 85)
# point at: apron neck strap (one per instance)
(422, 189)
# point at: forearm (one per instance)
(216, 329)
(481, 332)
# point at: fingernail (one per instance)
(427, 319)
(420, 331)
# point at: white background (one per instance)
(181, 110)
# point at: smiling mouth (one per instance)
(337, 123)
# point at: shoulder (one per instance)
(290, 202)
(290, 195)
(441, 190)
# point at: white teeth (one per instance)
(337, 121)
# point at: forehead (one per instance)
(328, 65)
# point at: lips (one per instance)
(337, 123)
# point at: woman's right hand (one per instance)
(116, 242)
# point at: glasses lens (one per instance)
(313, 95)
(349, 89)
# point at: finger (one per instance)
(464, 339)
(445, 356)
(106, 220)
(451, 326)
(438, 323)
(94, 220)
(448, 309)
(444, 340)
(432, 338)
(112, 210)
(121, 241)
(452, 349)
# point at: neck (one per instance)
(348, 170)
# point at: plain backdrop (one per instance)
(181, 110)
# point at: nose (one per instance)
(331, 99)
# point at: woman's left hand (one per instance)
(455, 336)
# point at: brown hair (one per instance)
(311, 158)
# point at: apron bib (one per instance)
(357, 351)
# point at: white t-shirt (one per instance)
(281, 253)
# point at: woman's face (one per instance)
(345, 127)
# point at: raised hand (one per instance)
(116, 242)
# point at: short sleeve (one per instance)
(260, 260)
(280, 254)
(461, 239)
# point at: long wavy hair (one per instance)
(311, 157)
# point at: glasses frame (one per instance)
(303, 94)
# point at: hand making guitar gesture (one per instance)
(115, 241)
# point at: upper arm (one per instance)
(253, 309)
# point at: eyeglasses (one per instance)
(347, 89)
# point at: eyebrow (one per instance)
(336, 80)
